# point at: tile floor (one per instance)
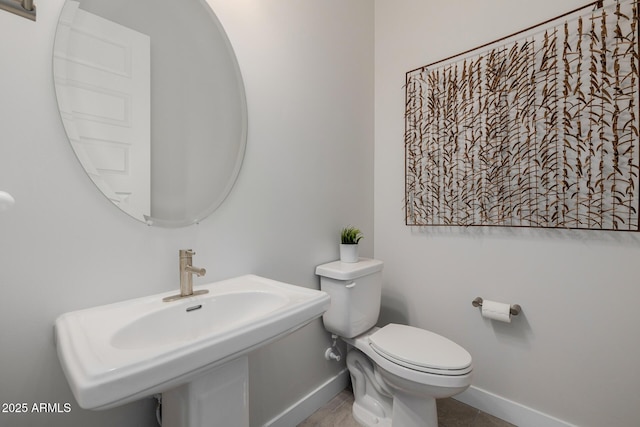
(451, 413)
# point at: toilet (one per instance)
(397, 371)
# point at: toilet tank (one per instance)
(355, 289)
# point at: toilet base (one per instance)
(366, 418)
(375, 405)
(408, 411)
(414, 411)
(382, 398)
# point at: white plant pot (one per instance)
(348, 253)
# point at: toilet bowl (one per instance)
(397, 371)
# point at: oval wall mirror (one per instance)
(153, 104)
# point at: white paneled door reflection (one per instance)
(102, 77)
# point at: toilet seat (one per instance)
(420, 350)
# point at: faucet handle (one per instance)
(186, 253)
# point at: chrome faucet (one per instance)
(187, 270)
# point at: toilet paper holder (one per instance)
(515, 309)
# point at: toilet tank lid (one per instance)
(349, 270)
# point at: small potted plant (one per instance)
(349, 238)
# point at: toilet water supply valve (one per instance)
(333, 352)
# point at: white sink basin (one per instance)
(173, 324)
(117, 353)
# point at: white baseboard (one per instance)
(508, 410)
(498, 406)
(316, 399)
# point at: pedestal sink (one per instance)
(194, 350)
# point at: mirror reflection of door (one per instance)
(105, 104)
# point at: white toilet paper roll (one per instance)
(496, 311)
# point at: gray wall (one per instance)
(573, 352)
(308, 70)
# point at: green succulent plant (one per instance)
(350, 235)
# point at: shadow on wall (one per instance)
(393, 309)
(626, 239)
(517, 333)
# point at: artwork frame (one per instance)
(538, 129)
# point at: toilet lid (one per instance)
(421, 350)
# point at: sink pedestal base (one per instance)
(218, 397)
